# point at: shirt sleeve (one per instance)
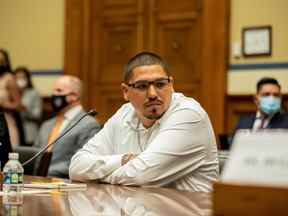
(178, 149)
(96, 159)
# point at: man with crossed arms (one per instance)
(159, 138)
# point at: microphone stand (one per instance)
(91, 113)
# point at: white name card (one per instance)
(258, 158)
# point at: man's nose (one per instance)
(151, 91)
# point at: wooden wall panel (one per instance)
(192, 35)
(119, 44)
(237, 106)
(177, 37)
(191, 89)
(117, 3)
(73, 36)
(111, 99)
(214, 60)
(179, 6)
(77, 43)
(176, 43)
(115, 30)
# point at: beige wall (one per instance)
(245, 13)
(33, 33)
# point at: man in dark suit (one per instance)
(66, 103)
(268, 102)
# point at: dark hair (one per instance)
(27, 74)
(7, 59)
(142, 59)
(267, 80)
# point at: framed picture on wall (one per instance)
(257, 41)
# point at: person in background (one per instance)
(159, 138)
(66, 102)
(268, 100)
(5, 145)
(10, 100)
(31, 104)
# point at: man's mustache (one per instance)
(152, 102)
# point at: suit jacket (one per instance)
(278, 121)
(68, 144)
(5, 145)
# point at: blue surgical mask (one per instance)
(270, 104)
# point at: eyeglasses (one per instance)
(143, 85)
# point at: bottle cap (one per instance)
(13, 156)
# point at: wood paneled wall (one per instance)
(192, 35)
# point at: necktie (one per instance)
(46, 158)
(263, 120)
(55, 131)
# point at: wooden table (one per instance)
(103, 199)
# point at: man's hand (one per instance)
(127, 157)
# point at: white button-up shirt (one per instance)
(178, 150)
(258, 121)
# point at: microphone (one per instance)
(90, 113)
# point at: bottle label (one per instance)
(13, 178)
(20, 178)
(7, 178)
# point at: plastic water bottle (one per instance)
(13, 175)
(12, 186)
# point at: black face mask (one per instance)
(58, 102)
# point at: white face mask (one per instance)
(22, 83)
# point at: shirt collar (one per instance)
(71, 113)
(259, 116)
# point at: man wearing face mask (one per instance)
(66, 104)
(268, 102)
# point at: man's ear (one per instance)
(124, 89)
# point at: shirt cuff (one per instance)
(114, 162)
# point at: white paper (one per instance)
(258, 158)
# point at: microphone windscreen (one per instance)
(92, 112)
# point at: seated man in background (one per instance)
(66, 103)
(268, 102)
(159, 138)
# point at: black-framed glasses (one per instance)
(143, 85)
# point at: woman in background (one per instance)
(31, 104)
(10, 99)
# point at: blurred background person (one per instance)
(269, 114)
(66, 103)
(5, 145)
(31, 104)
(10, 100)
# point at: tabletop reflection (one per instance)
(119, 200)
